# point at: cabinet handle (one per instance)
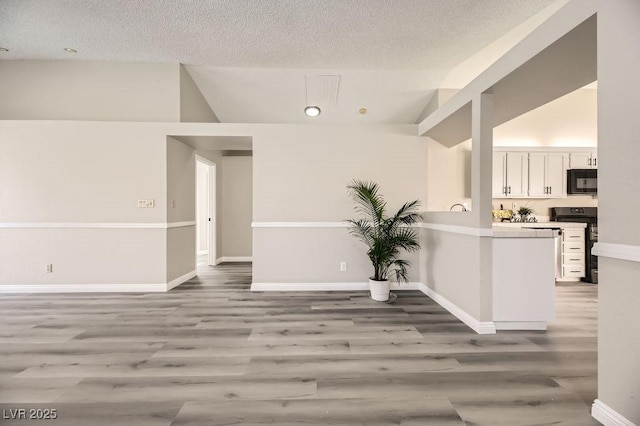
(576, 271)
(595, 162)
(589, 162)
(509, 190)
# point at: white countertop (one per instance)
(501, 231)
(540, 224)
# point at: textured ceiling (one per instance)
(429, 36)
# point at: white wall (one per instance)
(58, 181)
(619, 151)
(449, 175)
(193, 106)
(237, 206)
(89, 90)
(569, 121)
(181, 205)
(300, 176)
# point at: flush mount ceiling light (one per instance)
(312, 111)
(70, 50)
(362, 111)
(3, 49)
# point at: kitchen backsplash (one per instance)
(542, 206)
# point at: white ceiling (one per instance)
(250, 57)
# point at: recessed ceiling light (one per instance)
(70, 50)
(312, 111)
(362, 111)
(3, 49)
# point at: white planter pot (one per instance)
(379, 290)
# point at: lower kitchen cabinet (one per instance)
(572, 254)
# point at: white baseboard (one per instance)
(607, 416)
(480, 327)
(234, 259)
(96, 288)
(347, 286)
(181, 279)
(521, 325)
(83, 288)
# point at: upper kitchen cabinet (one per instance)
(510, 174)
(583, 160)
(548, 174)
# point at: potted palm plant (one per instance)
(385, 236)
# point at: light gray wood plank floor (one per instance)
(211, 352)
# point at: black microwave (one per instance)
(582, 181)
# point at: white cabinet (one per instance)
(548, 174)
(584, 160)
(510, 174)
(573, 267)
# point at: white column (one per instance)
(481, 158)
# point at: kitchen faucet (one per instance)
(464, 209)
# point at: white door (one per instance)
(498, 187)
(211, 229)
(537, 174)
(557, 165)
(517, 175)
(206, 208)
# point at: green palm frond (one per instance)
(385, 237)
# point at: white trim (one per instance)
(520, 325)
(299, 225)
(480, 327)
(181, 279)
(456, 229)
(205, 160)
(201, 252)
(234, 259)
(608, 416)
(94, 225)
(346, 286)
(180, 224)
(96, 288)
(617, 251)
(552, 149)
(83, 288)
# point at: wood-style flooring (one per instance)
(211, 352)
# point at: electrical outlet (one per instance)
(49, 268)
(513, 206)
(146, 204)
(343, 266)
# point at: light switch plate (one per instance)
(146, 204)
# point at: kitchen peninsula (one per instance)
(523, 277)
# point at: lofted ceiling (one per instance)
(250, 57)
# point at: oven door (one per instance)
(582, 181)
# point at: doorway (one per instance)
(206, 241)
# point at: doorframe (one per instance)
(212, 223)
